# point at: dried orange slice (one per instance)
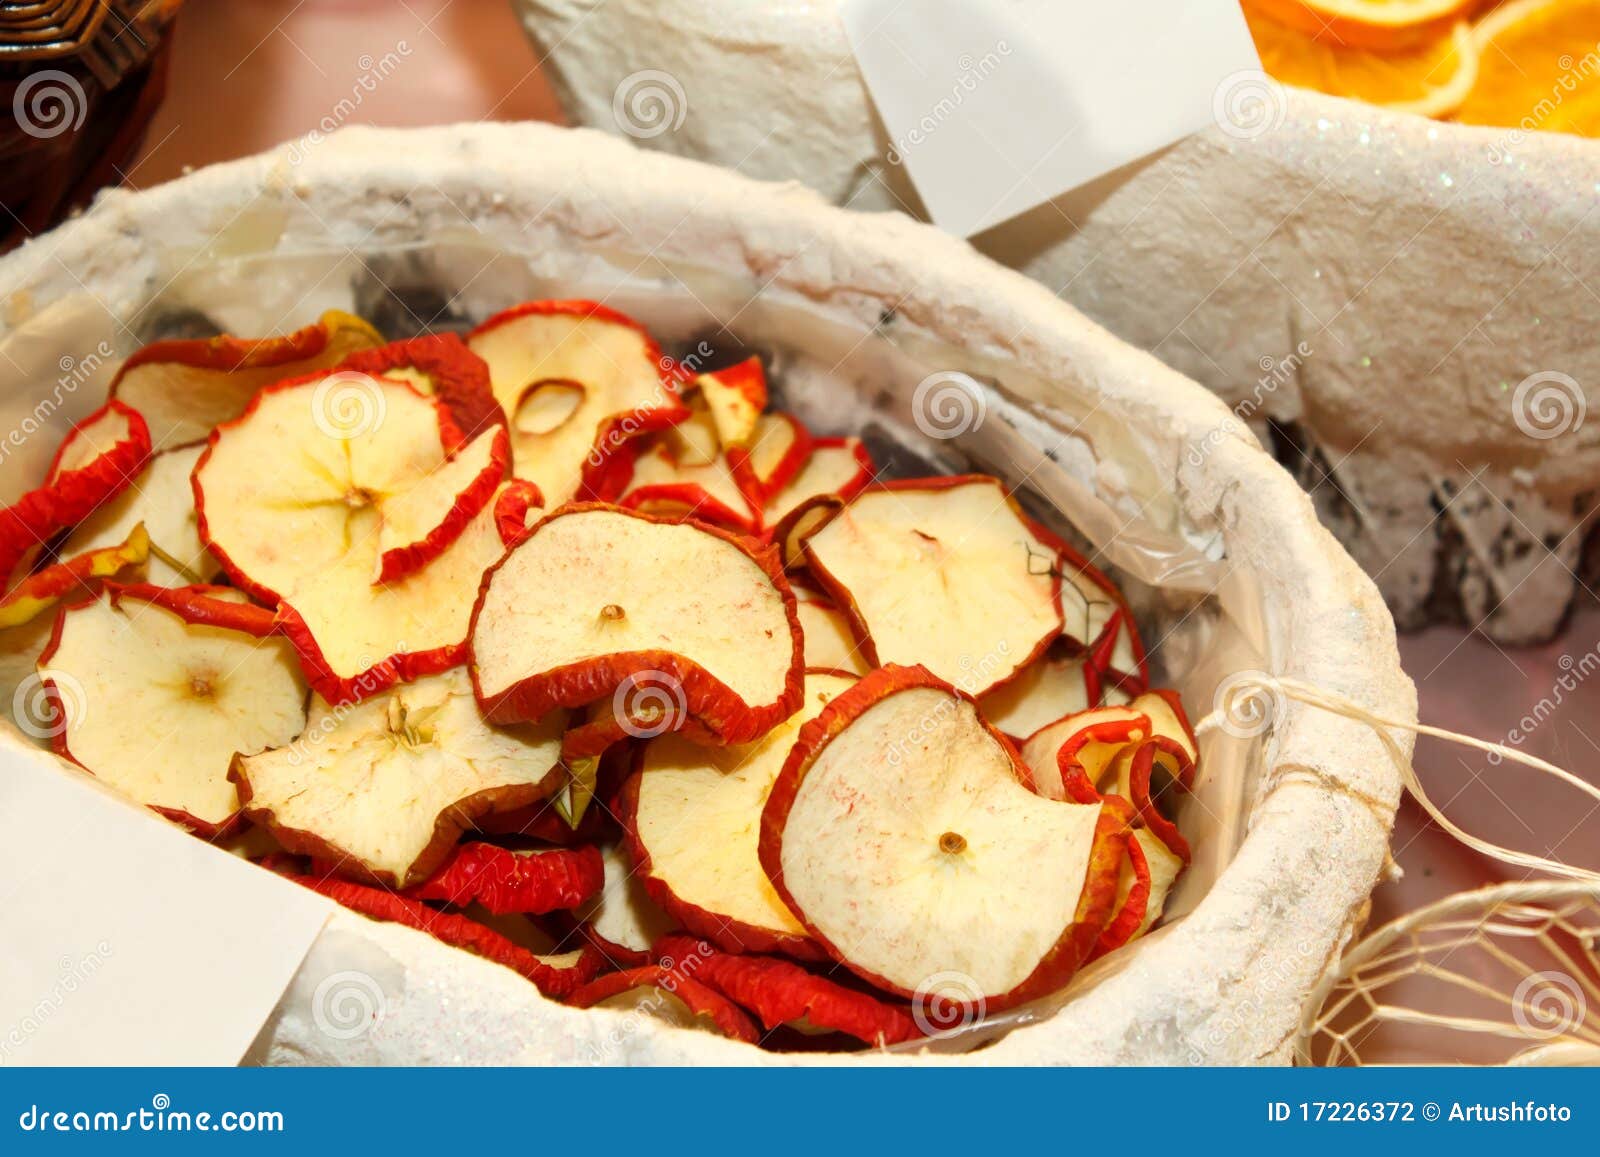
(1430, 78)
(1537, 67)
(1385, 25)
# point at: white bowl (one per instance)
(1220, 548)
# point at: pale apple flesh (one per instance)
(1050, 687)
(623, 922)
(612, 388)
(384, 789)
(579, 613)
(829, 643)
(902, 835)
(157, 707)
(938, 573)
(736, 397)
(43, 589)
(1071, 757)
(185, 388)
(836, 467)
(708, 492)
(421, 521)
(162, 499)
(693, 818)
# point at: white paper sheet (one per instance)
(128, 941)
(997, 106)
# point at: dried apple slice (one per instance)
(776, 450)
(836, 468)
(736, 397)
(347, 450)
(521, 882)
(1052, 686)
(829, 643)
(44, 588)
(557, 976)
(1095, 615)
(155, 699)
(1146, 879)
(668, 996)
(98, 460)
(902, 834)
(385, 788)
(580, 613)
(420, 522)
(1070, 757)
(936, 572)
(162, 499)
(623, 922)
(184, 388)
(441, 366)
(664, 486)
(577, 381)
(778, 993)
(692, 815)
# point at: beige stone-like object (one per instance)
(1402, 309)
(859, 316)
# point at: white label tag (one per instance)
(128, 942)
(995, 106)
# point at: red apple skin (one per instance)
(1134, 906)
(728, 934)
(866, 470)
(227, 353)
(713, 706)
(777, 992)
(41, 590)
(1133, 682)
(602, 480)
(511, 510)
(458, 932)
(845, 602)
(702, 1000)
(199, 605)
(1139, 787)
(450, 439)
(756, 489)
(508, 884)
(392, 669)
(403, 560)
(1075, 781)
(452, 823)
(68, 497)
(747, 378)
(696, 505)
(1095, 907)
(786, 533)
(460, 378)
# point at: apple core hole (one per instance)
(952, 843)
(200, 687)
(547, 405)
(612, 613)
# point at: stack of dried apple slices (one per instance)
(591, 662)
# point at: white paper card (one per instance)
(126, 940)
(995, 106)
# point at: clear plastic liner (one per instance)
(1109, 487)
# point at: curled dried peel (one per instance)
(778, 992)
(736, 397)
(161, 498)
(385, 788)
(774, 453)
(420, 522)
(692, 815)
(669, 996)
(1145, 880)
(185, 388)
(579, 613)
(441, 366)
(662, 486)
(1070, 757)
(937, 572)
(835, 468)
(557, 976)
(902, 834)
(515, 882)
(156, 705)
(41, 590)
(611, 387)
(98, 460)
